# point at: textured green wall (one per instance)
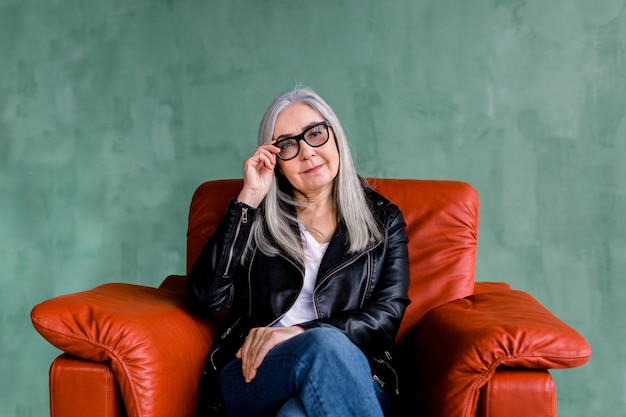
(112, 112)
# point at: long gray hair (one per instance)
(276, 213)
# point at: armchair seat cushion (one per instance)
(460, 344)
(155, 347)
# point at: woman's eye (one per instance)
(314, 132)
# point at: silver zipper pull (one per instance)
(244, 215)
(226, 333)
(379, 381)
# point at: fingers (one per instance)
(253, 351)
(258, 171)
(259, 342)
(264, 157)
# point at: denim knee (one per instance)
(331, 342)
(323, 337)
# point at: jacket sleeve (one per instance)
(210, 284)
(375, 326)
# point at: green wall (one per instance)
(112, 112)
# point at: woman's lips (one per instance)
(314, 169)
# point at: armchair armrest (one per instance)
(459, 345)
(155, 346)
(488, 286)
(176, 283)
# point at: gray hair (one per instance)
(276, 214)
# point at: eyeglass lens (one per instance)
(314, 136)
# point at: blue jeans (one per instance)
(318, 373)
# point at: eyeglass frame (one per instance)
(300, 137)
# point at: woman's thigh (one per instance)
(320, 366)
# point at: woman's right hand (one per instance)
(258, 171)
(258, 343)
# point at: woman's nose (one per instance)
(306, 150)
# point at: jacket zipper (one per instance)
(380, 381)
(242, 219)
(343, 266)
(223, 336)
(349, 262)
(229, 329)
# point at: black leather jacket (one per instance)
(362, 294)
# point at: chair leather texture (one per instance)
(472, 348)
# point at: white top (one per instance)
(302, 310)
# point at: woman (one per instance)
(311, 267)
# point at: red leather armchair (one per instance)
(471, 348)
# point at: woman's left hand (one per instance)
(258, 343)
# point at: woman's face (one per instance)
(314, 169)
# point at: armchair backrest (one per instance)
(442, 224)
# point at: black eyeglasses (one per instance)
(314, 136)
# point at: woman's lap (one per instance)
(321, 367)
